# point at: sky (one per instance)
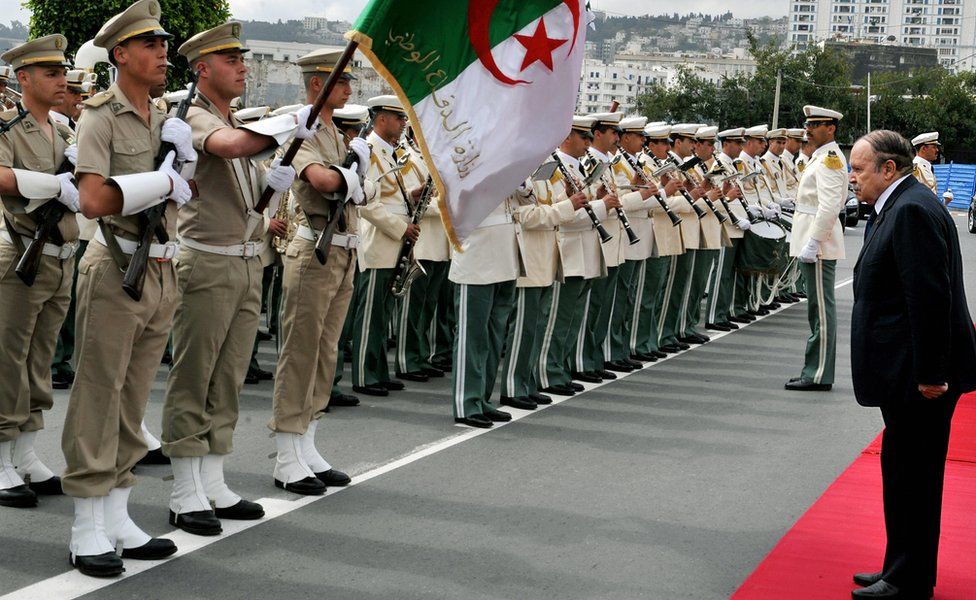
(272, 10)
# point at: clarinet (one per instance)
(404, 270)
(675, 219)
(621, 213)
(575, 187)
(677, 161)
(698, 212)
(742, 198)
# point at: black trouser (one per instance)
(913, 456)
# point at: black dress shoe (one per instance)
(540, 399)
(866, 579)
(738, 319)
(645, 357)
(98, 565)
(761, 312)
(617, 366)
(264, 375)
(669, 349)
(716, 327)
(801, 295)
(731, 326)
(801, 385)
(560, 390)
(263, 336)
(683, 346)
(333, 478)
(167, 358)
(154, 457)
(256, 375)
(244, 510)
(371, 390)
(772, 306)
(522, 402)
(883, 589)
(479, 421)
(442, 365)
(497, 416)
(658, 354)
(198, 522)
(633, 363)
(393, 386)
(588, 377)
(415, 376)
(310, 486)
(154, 549)
(432, 372)
(576, 387)
(49, 487)
(20, 496)
(62, 380)
(690, 339)
(341, 399)
(606, 374)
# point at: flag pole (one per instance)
(296, 143)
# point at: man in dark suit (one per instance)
(913, 354)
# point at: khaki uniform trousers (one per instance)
(30, 318)
(213, 335)
(314, 302)
(120, 345)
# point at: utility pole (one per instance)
(869, 101)
(779, 81)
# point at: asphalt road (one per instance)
(673, 482)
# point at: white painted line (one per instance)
(72, 584)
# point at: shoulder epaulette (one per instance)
(832, 161)
(160, 104)
(99, 99)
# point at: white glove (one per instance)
(303, 132)
(69, 193)
(754, 211)
(769, 213)
(71, 153)
(744, 224)
(181, 193)
(361, 148)
(179, 133)
(280, 178)
(810, 251)
(788, 205)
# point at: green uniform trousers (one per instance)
(526, 331)
(819, 362)
(563, 330)
(443, 327)
(647, 307)
(599, 312)
(374, 305)
(61, 363)
(722, 285)
(621, 320)
(416, 318)
(672, 308)
(692, 314)
(482, 312)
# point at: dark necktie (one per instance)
(871, 219)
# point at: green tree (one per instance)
(80, 23)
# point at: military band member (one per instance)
(818, 243)
(772, 165)
(927, 149)
(384, 223)
(762, 204)
(315, 296)
(121, 341)
(779, 177)
(6, 73)
(31, 154)
(791, 152)
(224, 244)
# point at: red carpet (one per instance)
(843, 532)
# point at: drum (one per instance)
(764, 250)
(767, 230)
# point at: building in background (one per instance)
(866, 57)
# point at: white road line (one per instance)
(73, 584)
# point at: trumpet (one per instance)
(621, 213)
(639, 169)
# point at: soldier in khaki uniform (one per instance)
(818, 243)
(315, 296)
(31, 315)
(121, 341)
(927, 148)
(385, 223)
(223, 246)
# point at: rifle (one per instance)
(6, 126)
(324, 242)
(152, 218)
(575, 188)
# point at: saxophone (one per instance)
(408, 267)
(284, 213)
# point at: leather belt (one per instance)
(340, 240)
(161, 252)
(246, 250)
(59, 252)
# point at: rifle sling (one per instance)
(120, 258)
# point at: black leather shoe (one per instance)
(670, 349)
(442, 365)
(167, 358)
(683, 346)
(759, 312)
(310, 486)
(479, 421)
(540, 399)
(560, 390)
(20, 496)
(154, 549)
(245, 510)
(883, 589)
(432, 372)
(198, 522)
(334, 478)
(617, 366)
(772, 306)
(730, 325)
(738, 319)
(415, 376)
(576, 387)
(521, 402)
(393, 386)
(807, 386)
(49, 487)
(606, 374)
(256, 375)
(154, 457)
(588, 377)
(716, 327)
(341, 399)
(371, 390)
(801, 295)
(690, 339)
(633, 363)
(263, 336)
(659, 354)
(866, 579)
(497, 416)
(643, 357)
(98, 565)
(62, 380)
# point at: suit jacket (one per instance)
(911, 324)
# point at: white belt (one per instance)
(165, 251)
(59, 252)
(396, 209)
(492, 220)
(575, 227)
(805, 210)
(641, 214)
(340, 240)
(246, 250)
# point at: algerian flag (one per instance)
(490, 87)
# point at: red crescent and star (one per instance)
(538, 47)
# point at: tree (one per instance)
(182, 18)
